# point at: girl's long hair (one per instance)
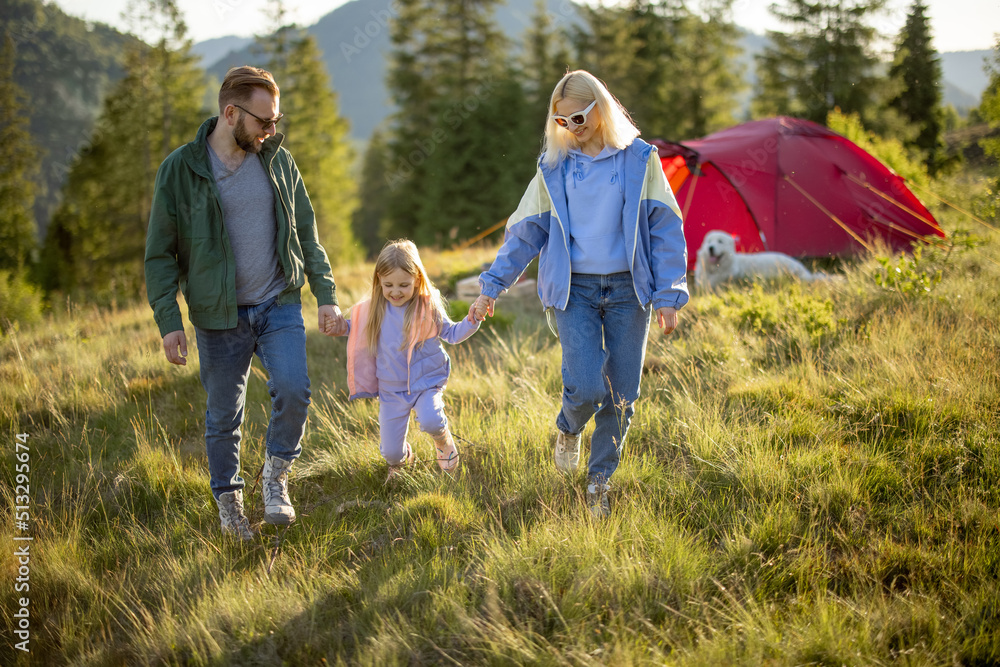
(616, 128)
(426, 301)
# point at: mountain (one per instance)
(355, 42)
(958, 98)
(212, 50)
(964, 74)
(66, 66)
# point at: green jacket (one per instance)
(187, 246)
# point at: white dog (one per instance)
(718, 262)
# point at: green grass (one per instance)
(812, 477)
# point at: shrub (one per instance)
(785, 312)
(20, 301)
(918, 274)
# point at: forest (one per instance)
(452, 157)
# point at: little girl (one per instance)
(394, 353)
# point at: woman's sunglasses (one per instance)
(577, 119)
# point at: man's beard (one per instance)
(246, 141)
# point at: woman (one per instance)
(607, 231)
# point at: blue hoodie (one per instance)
(595, 203)
(651, 219)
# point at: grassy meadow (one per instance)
(812, 477)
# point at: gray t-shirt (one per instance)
(248, 213)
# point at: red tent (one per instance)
(791, 186)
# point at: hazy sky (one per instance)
(958, 25)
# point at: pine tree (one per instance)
(480, 169)
(95, 242)
(18, 164)
(370, 221)
(706, 77)
(917, 68)
(449, 134)
(781, 70)
(626, 47)
(545, 59)
(315, 134)
(989, 111)
(672, 68)
(826, 61)
(66, 68)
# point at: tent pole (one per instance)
(481, 235)
(687, 202)
(829, 215)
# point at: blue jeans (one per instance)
(277, 335)
(603, 335)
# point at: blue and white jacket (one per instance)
(651, 220)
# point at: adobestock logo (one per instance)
(363, 35)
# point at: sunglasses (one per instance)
(263, 121)
(579, 118)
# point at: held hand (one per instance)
(480, 308)
(331, 322)
(171, 342)
(667, 319)
(336, 325)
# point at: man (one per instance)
(232, 227)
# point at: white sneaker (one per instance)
(567, 451)
(278, 508)
(234, 521)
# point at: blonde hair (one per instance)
(240, 82)
(616, 128)
(426, 301)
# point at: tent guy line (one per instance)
(867, 185)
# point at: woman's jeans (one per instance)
(277, 335)
(603, 335)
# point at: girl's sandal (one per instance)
(447, 452)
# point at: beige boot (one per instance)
(234, 521)
(274, 482)
(447, 452)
